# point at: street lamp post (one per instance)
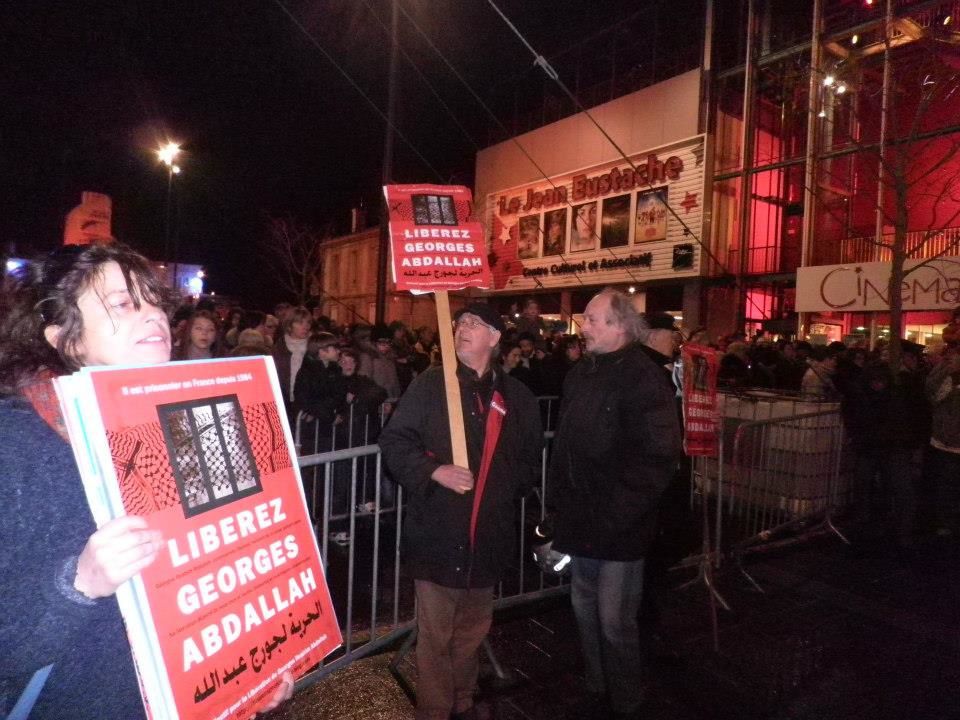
(168, 154)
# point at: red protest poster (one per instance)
(434, 245)
(202, 450)
(701, 420)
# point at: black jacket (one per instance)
(416, 441)
(881, 416)
(360, 417)
(318, 390)
(614, 454)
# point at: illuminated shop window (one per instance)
(434, 210)
(209, 449)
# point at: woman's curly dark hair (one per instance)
(45, 291)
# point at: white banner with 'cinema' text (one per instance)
(859, 287)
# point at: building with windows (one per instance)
(836, 147)
(810, 139)
(349, 284)
(746, 165)
(566, 215)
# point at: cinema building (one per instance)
(581, 216)
(768, 183)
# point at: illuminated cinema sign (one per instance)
(585, 186)
(627, 220)
(864, 287)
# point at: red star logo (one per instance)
(689, 202)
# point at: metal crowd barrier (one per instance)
(776, 481)
(348, 492)
(352, 430)
(786, 471)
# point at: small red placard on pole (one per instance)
(433, 243)
(701, 416)
(435, 247)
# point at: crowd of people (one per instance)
(616, 449)
(903, 423)
(341, 376)
(342, 381)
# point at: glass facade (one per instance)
(883, 158)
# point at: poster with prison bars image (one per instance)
(434, 210)
(210, 452)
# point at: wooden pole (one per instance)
(458, 439)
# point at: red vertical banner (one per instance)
(701, 416)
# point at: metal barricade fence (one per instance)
(352, 430)
(774, 477)
(311, 437)
(786, 471)
(360, 540)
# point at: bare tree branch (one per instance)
(294, 251)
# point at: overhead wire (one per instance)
(552, 73)
(544, 64)
(540, 61)
(493, 116)
(425, 81)
(353, 83)
(316, 43)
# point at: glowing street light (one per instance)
(167, 154)
(829, 80)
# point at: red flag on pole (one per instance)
(701, 415)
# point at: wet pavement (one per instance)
(868, 631)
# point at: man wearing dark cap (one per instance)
(661, 342)
(460, 528)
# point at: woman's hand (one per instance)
(283, 693)
(114, 554)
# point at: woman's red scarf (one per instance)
(43, 397)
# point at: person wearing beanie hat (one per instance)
(381, 332)
(661, 342)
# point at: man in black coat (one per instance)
(615, 452)
(461, 522)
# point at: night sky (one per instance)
(268, 125)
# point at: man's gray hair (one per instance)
(623, 312)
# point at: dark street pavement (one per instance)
(868, 631)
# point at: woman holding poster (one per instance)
(65, 648)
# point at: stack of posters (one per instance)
(238, 596)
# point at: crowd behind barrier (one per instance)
(806, 431)
(783, 462)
